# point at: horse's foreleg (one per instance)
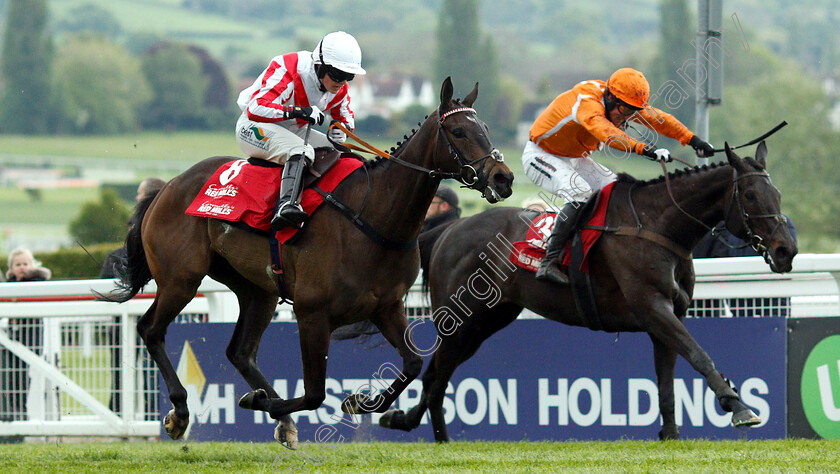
(256, 311)
(394, 327)
(664, 360)
(314, 332)
(671, 331)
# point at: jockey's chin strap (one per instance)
(479, 179)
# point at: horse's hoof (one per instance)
(173, 425)
(285, 436)
(745, 418)
(358, 404)
(666, 434)
(247, 400)
(388, 417)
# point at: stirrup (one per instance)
(551, 272)
(289, 215)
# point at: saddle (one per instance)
(325, 159)
(244, 192)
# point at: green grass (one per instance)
(497, 457)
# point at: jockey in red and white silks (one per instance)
(267, 128)
(296, 89)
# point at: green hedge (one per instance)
(74, 263)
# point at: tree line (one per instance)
(88, 83)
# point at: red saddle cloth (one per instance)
(529, 253)
(241, 192)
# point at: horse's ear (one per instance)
(761, 153)
(733, 159)
(470, 98)
(446, 91)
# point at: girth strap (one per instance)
(645, 234)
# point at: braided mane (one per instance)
(626, 178)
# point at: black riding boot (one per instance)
(289, 211)
(549, 269)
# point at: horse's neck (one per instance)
(402, 195)
(700, 197)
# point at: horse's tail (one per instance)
(133, 271)
(427, 241)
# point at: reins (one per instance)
(434, 174)
(355, 216)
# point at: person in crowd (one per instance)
(444, 208)
(727, 245)
(15, 372)
(297, 89)
(591, 116)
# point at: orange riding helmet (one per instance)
(630, 87)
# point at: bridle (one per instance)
(753, 240)
(479, 177)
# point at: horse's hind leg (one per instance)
(664, 360)
(151, 327)
(256, 310)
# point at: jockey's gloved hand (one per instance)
(703, 148)
(657, 154)
(312, 114)
(336, 134)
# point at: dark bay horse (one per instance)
(335, 274)
(638, 285)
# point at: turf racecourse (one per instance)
(497, 457)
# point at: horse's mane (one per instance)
(626, 178)
(397, 149)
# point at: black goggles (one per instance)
(338, 75)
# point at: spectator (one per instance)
(444, 208)
(727, 245)
(15, 373)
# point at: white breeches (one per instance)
(572, 179)
(274, 142)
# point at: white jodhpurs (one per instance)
(274, 142)
(572, 179)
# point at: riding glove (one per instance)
(657, 154)
(336, 134)
(311, 114)
(703, 148)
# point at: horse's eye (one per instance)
(459, 133)
(750, 195)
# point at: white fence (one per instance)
(73, 366)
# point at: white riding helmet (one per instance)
(341, 51)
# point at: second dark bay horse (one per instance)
(639, 284)
(335, 274)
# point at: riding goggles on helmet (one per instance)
(338, 75)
